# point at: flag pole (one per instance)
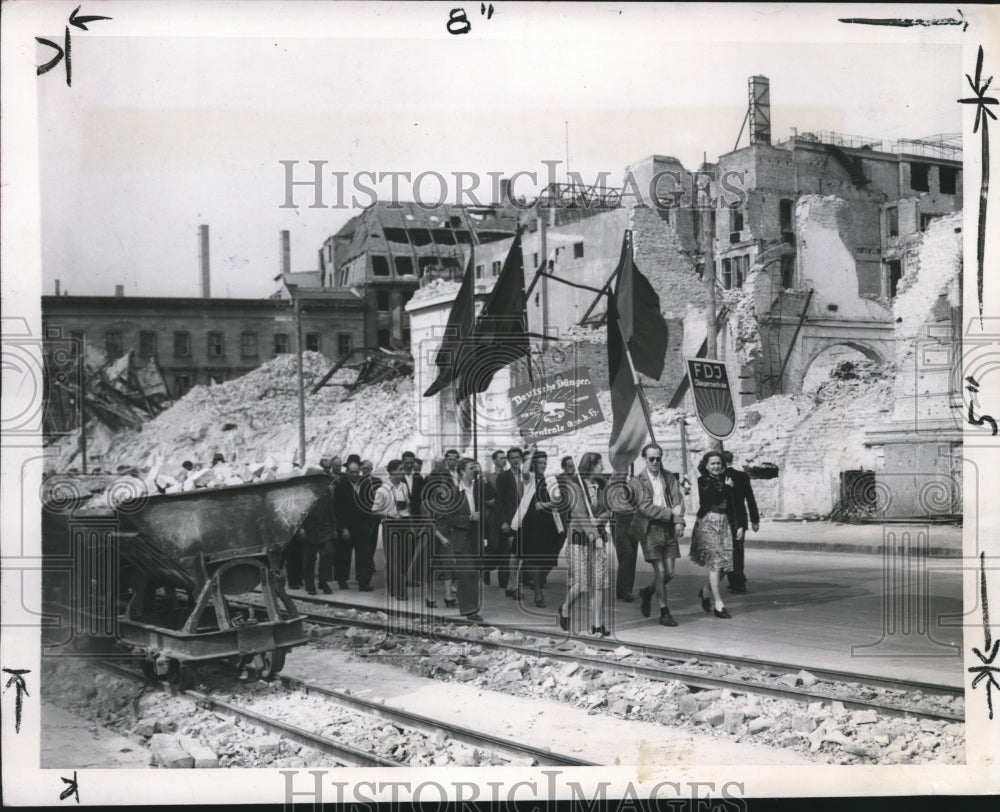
(475, 430)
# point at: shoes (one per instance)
(366, 588)
(451, 603)
(599, 630)
(540, 602)
(562, 620)
(325, 588)
(486, 578)
(310, 591)
(513, 593)
(343, 584)
(294, 586)
(431, 604)
(666, 619)
(706, 603)
(629, 598)
(474, 617)
(723, 613)
(646, 601)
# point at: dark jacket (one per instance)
(320, 525)
(713, 497)
(348, 506)
(743, 499)
(458, 525)
(417, 495)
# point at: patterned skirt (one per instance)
(712, 542)
(588, 566)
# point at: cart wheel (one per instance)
(181, 675)
(268, 664)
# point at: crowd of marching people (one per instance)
(448, 533)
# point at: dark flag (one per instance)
(500, 335)
(642, 323)
(628, 421)
(457, 332)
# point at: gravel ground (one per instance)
(826, 731)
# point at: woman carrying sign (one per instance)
(588, 538)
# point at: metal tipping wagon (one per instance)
(181, 562)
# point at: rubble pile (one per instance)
(255, 417)
(825, 731)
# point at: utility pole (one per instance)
(544, 256)
(82, 372)
(299, 377)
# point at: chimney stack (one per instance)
(760, 110)
(206, 279)
(286, 253)
(57, 287)
(119, 291)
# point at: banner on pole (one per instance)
(712, 396)
(555, 405)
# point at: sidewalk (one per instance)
(944, 540)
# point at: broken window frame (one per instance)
(892, 221)
(383, 301)
(281, 344)
(951, 173)
(727, 273)
(344, 342)
(147, 343)
(215, 344)
(114, 345)
(182, 344)
(920, 176)
(380, 265)
(314, 342)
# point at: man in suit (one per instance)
(745, 509)
(317, 533)
(492, 557)
(353, 523)
(510, 490)
(392, 506)
(622, 504)
(414, 567)
(462, 527)
(657, 524)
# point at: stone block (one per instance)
(803, 723)
(145, 728)
(806, 679)
(865, 717)
(711, 715)
(689, 705)
(789, 680)
(732, 722)
(837, 709)
(621, 707)
(204, 757)
(167, 752)
(759, 724)
(267, 745)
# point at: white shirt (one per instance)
(470, 497)
(657, 482)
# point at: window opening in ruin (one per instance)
(404, 266)
(248, 345)
(740, 265)
(926, 219)
(216, 345)
(495, 267)
(420, 236)
(948, 179)
(343, 344)
(788, 272)
(280, 343)
(735, 218)
(313, 342)
(182, 385)
(396, 235)
(382, 301)
(479, 271)
(456, 221)
(444, 237)
(380, 265)
(895, 274)
(577, 250)
(727, 273)
(147, 343)
(920, 177)
(113, 344)
(384, 338)
(892, 221)
(406, 336)
(785, 208)
(182, 344)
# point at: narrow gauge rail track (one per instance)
(667, 674)
(351, 756)
(678, 655)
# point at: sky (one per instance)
(160, 134)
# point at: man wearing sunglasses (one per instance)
(657, 524)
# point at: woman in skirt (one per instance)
(712, 537)
(586, 552)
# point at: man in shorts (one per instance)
(657, 524)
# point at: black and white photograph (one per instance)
(498, 403)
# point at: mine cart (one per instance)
(182, 569)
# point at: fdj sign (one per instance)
(712, 397)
